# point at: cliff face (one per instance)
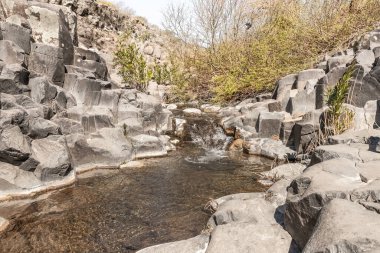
(60, 113)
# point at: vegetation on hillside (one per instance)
(236, 48)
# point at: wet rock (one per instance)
(53, 157)
(107, 146)
(69, 126)
(145, 146)
(196, 244)
(14, 147)
(347, 227)
(92, 118)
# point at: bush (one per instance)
(287, 36)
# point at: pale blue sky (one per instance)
(150, 9)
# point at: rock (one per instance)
(339, 61)
(308, 193)
(172, 107)
(229, 124)
(14, 147)
(193, 245)
(269, 124)
(69, 126)
(366, 88)
(366, 58)
(283, 87)
(17, 34)
(362, 136)
(270, 148)
(249, 237)
(307, 75)
(10, 53)
(53, 157)
(17, 73)
(287, 171)
(275, 107)
(20, 178)
(41, 128)
(372, 113)
(369, 171)
(344, 226)
(276, 194)
(107, 146)
(211, 108)
(179, 126)
(302, 102)
(42, 91)
(192, 112)
(92, 62)
(332, 78)
(49, 26)
(145, 146)
(85, 91)
(92, 118)
(47, 60)
(71, 69)
(305, 134)
(329, 152)
(9, 86)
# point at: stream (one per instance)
(136, 207)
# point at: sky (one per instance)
(150, 9)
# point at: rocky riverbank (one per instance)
(329, 200)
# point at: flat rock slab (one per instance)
(249, 237)
(270, 148)
(197, 244)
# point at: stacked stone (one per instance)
(59, 110)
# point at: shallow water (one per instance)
(135, 208)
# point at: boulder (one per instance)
(106, 147)
(344, 226)
(93, 118)
(90, 61)
(85, 91)
(269, 124)
(366, 88)
(17, 177)
(249, 237)
(17, 34)
(192, 112)
(308, 75)
(41, 128)
(9, 86)
(17, 73)
(14, 147)
(372, 114)
(145, 146)
(339, 61)
(308, 194)
(283, 87)
(10, 53)
(42, 91)
(332, 78)
(47, 60)
(53, 157)
(50, 27)
(329, 152)
(287, 171)
(366, 58)
(270, 148)
(69, 126)
(304, 101)
(196, 244)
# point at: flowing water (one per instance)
(138, 207)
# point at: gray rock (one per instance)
(362, 136)
(345, 227)
(366, 58)
(192, 112)
(307, 75)
(107, 146)
(283, 87)
(71, 69)
(42, 91)
(302, 102)
(267, 147)
(193, 245)
(249, 237)
(333, 77)
(145, 146)
(366, 88)
(41, 128)
(9, 86)
(287, 171)
(17, 73)
(20, 178)
(47, 60)
(339, 61)
(305, 134)
(49, 26)
(328, 152)
(308, 193)
(17, 34)
(92, 118)
(14, 147)
(372, 113)
(85, 91)
(10, 53)
(269, 124)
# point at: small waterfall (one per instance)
(205, 133)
